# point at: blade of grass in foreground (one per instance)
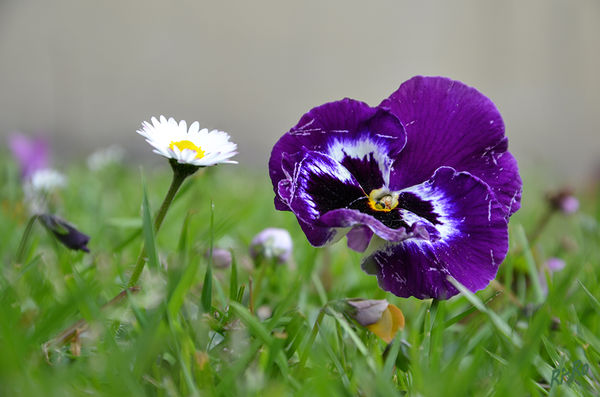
(498, 323)
(531, 265)
(593, 299)
(233, 279)
(207, 286)
(148, 228)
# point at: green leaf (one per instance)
(233, 279)
(207, 286)
(255, 327)
(182, 288)
(532, 269)
(125, 223)
(498, 323)
(148, 229)
(593, 299)
(183, 236)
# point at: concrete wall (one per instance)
(86, 73)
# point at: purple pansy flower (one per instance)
(31, 154)
(424, 181)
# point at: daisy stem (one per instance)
(180, 173)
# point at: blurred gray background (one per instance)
(86, 73)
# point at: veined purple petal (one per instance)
(359, 238)
(363, 139)
(320, 184)
(344, 217)
(31, 154)
(319, 236)
(450, 124)
(471, 243)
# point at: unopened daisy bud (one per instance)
(378, 316)
(221, 258)
(564, 201)
(66, 233)
(272, 244)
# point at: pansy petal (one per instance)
(359, 238)
(320, 184)
(344, 217)
(450, 124)
(364, 139)
(472, 241)
(318, 236)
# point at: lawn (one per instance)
(260, 328)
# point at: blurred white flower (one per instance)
(272, 244)
(194, 146)
(47, 180)
(39, 186)
(102, 158)
(264, 312)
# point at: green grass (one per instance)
(191, 331)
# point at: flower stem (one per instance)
(259, 280)
(540, 226)
(180, 172)
(179, 176)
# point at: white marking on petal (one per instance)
(306, 125)
(360, 149)
(441, 206)
(311, 167)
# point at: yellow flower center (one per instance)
(185, 144)
(383, 200)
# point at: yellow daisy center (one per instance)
(185, 144)
(383, 200)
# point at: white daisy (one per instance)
(40, 186)
(47, 180)
(195, 146)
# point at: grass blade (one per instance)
(498, 323)
(207, 286)
(233, 279)
(148, 229)
(531, 265)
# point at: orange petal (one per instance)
(388, 325)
